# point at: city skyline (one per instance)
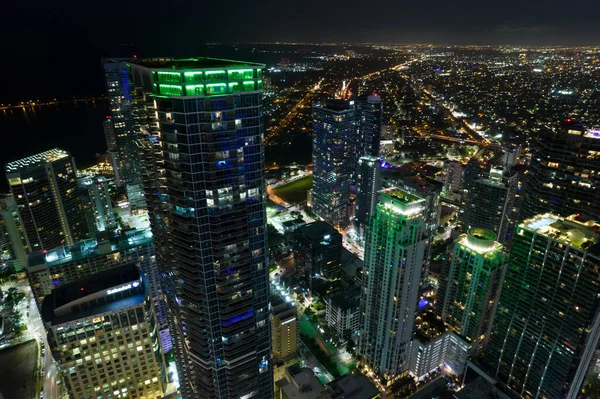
(321, 221)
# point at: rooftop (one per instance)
(482, 241)
(37, 160)
(346, 299)
(570, 231)
(89, 248)
(429, 326)
(194, 63)
(94, 294)
(335, 105)
(401, 201)
(319, 231)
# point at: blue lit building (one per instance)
(333, 160)
(207, 211)
(124, 130)
(369, 112)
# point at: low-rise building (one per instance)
(342, 312)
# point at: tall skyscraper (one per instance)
(367, 191)
(394, 255)
(490, 202)
(112, 149)
(102, 334)
(121, 93)
(13, 243)
(96, 196)
(470, 289)
(369, 112)
(333, 160)
(45, 189)
(564, 174)
(209, 222)
(547, 325)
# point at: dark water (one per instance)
(76, 128)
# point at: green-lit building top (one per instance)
(547, 326)
(469, 287)
(402, 202)
(201, 76)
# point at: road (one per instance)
(35, 330)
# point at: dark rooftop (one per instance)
(194, 63)
(317, 231)
(347, 298)
(90, 285)
(335, 105)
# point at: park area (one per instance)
(17, 380)
(295, 192)
(323, 351)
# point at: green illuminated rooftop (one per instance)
(402, 196)
(482, 241)
(570, 230)
(401, 201)
(201, 77)
(194, 63)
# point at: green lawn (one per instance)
(296, 191)
(326, 356)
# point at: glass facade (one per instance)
(547, 325)
(333, 160)
(208, 218)
(125, 128)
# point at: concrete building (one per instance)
(102, 333)
(48, 270)
(547, 326)
(112, 149)
(284, 329)
(13, 242)
(301, 383)
(333, 160)
(447, 351)
(452, 177)
(394, 256)
(342, 312)
(469, 289)
(44, 187)
(96, 196)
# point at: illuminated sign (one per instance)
(123, 288)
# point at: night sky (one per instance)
(43, 42)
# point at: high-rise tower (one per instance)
(333, 160)
(564, 175)
(367, 191)
(369, 112)
(208, 217)
(394, 252)
(124, 128)
(547, 325)
(470, 289)
(490, 202)
(45, 189)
